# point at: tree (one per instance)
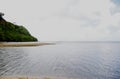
(1, 19)
(1, 14)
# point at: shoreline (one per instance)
(23, 44)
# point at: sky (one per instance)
(66, 20)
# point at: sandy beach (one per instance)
(22, 44)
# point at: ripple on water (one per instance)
(68, 60)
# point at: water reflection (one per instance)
(72, 60)
(11, 60)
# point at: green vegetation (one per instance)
(13, 33)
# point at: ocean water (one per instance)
(69, 60)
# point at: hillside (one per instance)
(10, 32)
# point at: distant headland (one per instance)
(10, 32)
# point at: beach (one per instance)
(22, 44)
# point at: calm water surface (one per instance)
(69, 60)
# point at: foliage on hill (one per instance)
(10, 32)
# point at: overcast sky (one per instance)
(66, 20)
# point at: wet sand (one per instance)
(22, 44)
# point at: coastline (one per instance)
(23, 44)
